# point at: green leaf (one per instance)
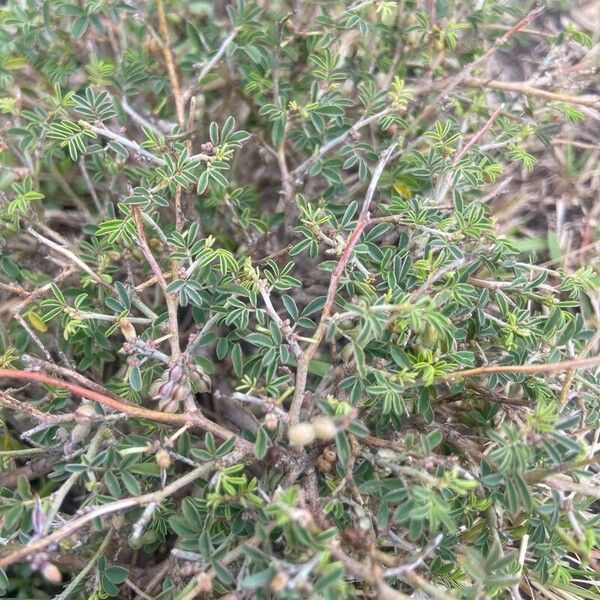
(343, 447)
(116, 574)
(131, 483)
(80, 26)
(261, 444)
(258, 580)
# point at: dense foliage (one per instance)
(299, 300)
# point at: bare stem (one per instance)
(168, 55)
(361, 223)
(528, 90)
(113, 507)
(170, 299)
(195, 419)
(556, 367)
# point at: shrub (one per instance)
(294, 303)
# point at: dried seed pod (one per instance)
(323, 465)
(301, 434)
(127, 329)
(329, 454)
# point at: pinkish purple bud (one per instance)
(175, 372)
(165, 390)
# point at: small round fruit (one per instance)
(324, 428)
(301, 434)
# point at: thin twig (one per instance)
(66, 593)
(556, 367)
(168, 55)
(284, 328)
(340, 139)
(528, 90)
(195, 419)
(486, 127)
(102, 131)
(170, 299)
(207, 68)
(72, 257)
(469, 68)
(361, 223)
(117, 506)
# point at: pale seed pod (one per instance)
(324, 428)
(203, 583)
(50, 573)
(79, 432)
(271, 421)
(175, 373)
(84, 413)
(154, 390)
(347, 352)
(279, 581)
(301, 434)
(163, 459)
(200, 381)
(164, 390)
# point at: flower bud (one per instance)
(301, 434)
(175, 372)
(38, 516)
(180, 392)
(324, 428)
(168, 405)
